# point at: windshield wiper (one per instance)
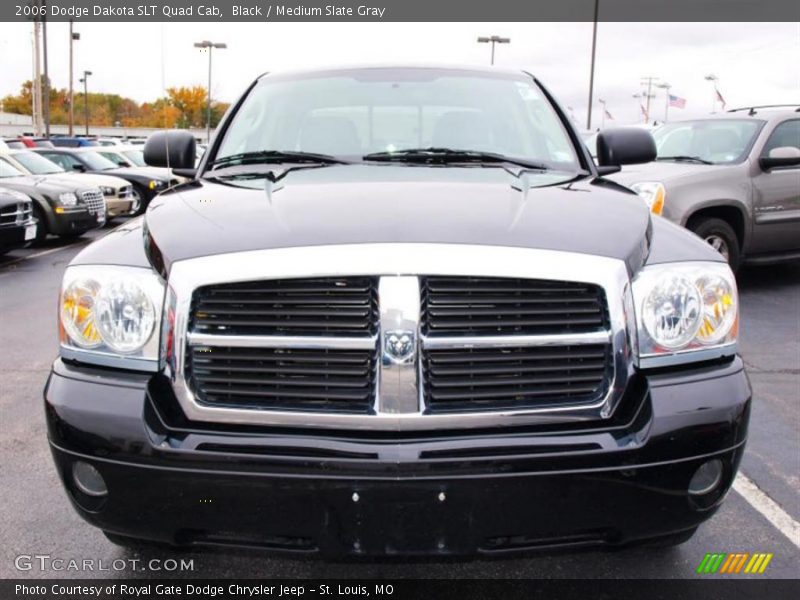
(449, 155)
(696, 159)
(276, 156)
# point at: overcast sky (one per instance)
(757, 63)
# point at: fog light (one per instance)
(706, 478)
(88, 479)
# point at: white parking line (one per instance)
(770, 509)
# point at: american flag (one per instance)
(677, 102)
(720, 99)
(644, 112)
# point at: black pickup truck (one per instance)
(398, 311)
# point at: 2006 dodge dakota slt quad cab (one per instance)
(398, 311)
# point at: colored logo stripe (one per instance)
(731, 563)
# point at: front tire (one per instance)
(41, 226)
(720, 236)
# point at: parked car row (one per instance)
(72, 189)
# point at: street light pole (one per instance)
(648, 94)
(72, 38)
(46, 77)
(665, 86)
(205, 44)
(495, 39)
(85, 81)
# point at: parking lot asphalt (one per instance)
(37, 517)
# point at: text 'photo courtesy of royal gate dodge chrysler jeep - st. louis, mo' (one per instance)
(398, 311)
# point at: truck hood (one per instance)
(354, 204)
(149, 172)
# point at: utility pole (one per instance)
(73, 37)
(665, 86)
(205, 44)
(591, 69)
(46, 75)
(495, 39)
(36, 89)
(649, 81)
(85, 81)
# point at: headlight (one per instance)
(108, 191)
(685, 312)
(156, 185)
(653, 193)
(110, 315)
(68, 199)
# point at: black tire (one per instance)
(41, 226)
(721, 236)
(71, 235)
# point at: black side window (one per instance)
(785, 134)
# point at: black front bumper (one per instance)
(74, 222)
(614, 483)
(13, 235)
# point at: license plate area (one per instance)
(30, 232)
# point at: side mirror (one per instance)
(79, 168)
(784, 156)
(625, 146)
(173, 149)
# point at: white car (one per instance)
(116, 190)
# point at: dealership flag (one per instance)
(720, 98)
(677, 102)
(644, 112)
(608, 115)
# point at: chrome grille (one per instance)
(284, 368)
(244, 354)
(94, 201)
(493, 306)
(331, 306)
(16, 213)
(515, 374)
(515, 377)
(328, 380)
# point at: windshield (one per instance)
(97, 162)
(37, 164)
(135, 156)
(718, 141)
(6, 170)
(353, 113)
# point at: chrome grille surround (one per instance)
(399, 399)
(94, 201)
(16, 214)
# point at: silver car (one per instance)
(733, 179)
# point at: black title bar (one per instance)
(402, 10)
